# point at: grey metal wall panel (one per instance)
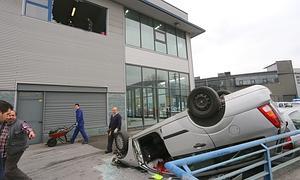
(11, 6)
(58, 110)
(39, 52)
(55, 88)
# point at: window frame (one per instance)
(155, 39)
(156, 89)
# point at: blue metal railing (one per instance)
(181, 168)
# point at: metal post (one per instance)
(24, 3)
(268, 165)
(49, 10)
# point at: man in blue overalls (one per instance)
(79, 126)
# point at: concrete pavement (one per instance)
(88, 162)
(74, 162)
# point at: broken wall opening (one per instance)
(80, 14)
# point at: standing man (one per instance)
(5, 109)
(19, 133)
(114, 126)
(79, 125)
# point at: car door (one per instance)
(183, 137)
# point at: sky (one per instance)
(243, 36)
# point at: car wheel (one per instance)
(51, 142)
(223, 93)
(203, 102)
(121, 141)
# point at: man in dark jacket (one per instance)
(79, 126)
(19, 132)
(5, 110)
(114, 126)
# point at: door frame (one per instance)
(43, 109)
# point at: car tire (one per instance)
(121, 141)
(203, 102)
(51, 142)
(223, 93)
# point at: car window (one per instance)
(295, 117)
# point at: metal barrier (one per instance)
(181, 168)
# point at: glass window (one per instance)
(154, 95)
(147, 33)
(160, 47)
(162, 79)
(175, 101)
(171, 40)
(241, 82)
(295, 117)
(181, 44)
(158, 26)
(184, 96)
(183, 103)
(38, 9)
(133, 76)
(149, 106)
(132, 28)
(184, 81)
(129, 103)
(149, 77)
(134, 107)
(174, 80)
(163, 105)
(160, 37)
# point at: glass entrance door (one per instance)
(163, 104)
(149, 106)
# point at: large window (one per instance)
(174, 92)
(160, 37)
(148, 33)
(132, 28)
(80, 14)
(154, 95)
(134, 95)
(171, 41)
(181, 44)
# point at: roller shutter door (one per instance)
(59, 112)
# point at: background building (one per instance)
(297, 79)
(280, 78)
(99, 53)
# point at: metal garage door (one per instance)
(59, 112)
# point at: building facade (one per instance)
(279, 77)
(132, 54)
(297, 79)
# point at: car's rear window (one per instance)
(295, 117)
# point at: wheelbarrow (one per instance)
(59, 134)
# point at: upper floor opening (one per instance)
(79, 14)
